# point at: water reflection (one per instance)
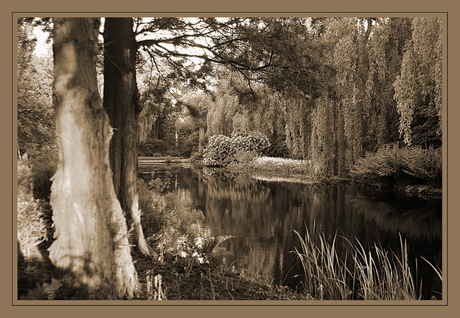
(262, 216)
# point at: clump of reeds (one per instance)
(360, 274)
(384, 276)
(325, 273)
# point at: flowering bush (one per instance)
(254, 142)
(221, 150)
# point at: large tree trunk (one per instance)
(121, 103)
(91, 232)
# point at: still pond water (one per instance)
(262, 217)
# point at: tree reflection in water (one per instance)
(262, 217)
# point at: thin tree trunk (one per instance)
(91, 232)
(201, 138)
(155, 129)
(121, 103)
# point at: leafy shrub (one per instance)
(221, 150)
(407, 162)
(424, 164)
(34, 220)
(244, 156)
(256, 142)
(181, 216)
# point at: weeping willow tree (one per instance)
(230, 110)
(221, 111)
(350, 58)
(369, 78)
(367, 56)
(418, 90)
(386, 48)
(338, 121)
(323, 156)
(298, 128)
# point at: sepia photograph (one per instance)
(292, 158)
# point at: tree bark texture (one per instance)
(121, 104)
(91, 232)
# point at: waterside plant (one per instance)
(407, 163)
(359, 275)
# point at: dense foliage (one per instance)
(31, 216)
(328, 90)
(34, 102)
(218, 151)
(325, 89)
(222, 150)
(413, 163)
(374, 77)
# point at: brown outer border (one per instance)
(442, 8)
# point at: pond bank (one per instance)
(187, 279)
(300, 171)
(161, 160)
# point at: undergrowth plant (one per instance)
(34, 226)
(34, 221)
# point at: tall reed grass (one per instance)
(377, 274)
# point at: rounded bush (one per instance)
(221, 150)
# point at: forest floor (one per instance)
(174, 278)
(187, 279)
